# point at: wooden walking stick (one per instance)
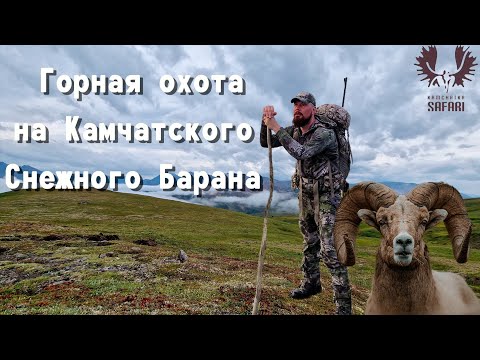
(263, 247)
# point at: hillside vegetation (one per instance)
(94, 252)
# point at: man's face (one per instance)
(301, 113)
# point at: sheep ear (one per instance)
(369, 216)
(436, 216)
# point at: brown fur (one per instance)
(417, 289)
(413, 291)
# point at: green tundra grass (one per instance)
(93, 252)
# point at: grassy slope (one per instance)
(73, 275)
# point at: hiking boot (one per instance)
(305, 291)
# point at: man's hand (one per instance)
(269, 118)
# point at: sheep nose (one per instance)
(403, 239)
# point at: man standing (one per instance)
(320, 184)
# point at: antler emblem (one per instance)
(427, 62)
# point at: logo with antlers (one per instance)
(427, 62)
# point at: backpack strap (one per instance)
(343, 185)
(300, 186)
(330, 175)
(316, 203)
(316, 196)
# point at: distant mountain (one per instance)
(281, 186)
(278, 185)
(156, 180)
(3, 167)
(399, 187)
(285, 185)
(151, 182)
(403, 188)
(27, 168)
(469, 196)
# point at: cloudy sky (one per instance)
(393, 135)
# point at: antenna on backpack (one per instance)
(343, 103)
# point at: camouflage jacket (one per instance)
(314, 148)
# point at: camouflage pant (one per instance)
(317, 234)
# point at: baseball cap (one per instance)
(304, 97)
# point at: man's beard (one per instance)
(300, 121)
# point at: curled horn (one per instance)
(365, 195)
(439, 195)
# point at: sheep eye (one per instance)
(381, 222)
(424, 222)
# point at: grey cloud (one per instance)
(384, 96)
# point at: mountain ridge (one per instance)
(281, 186)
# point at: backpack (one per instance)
(337, 118)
